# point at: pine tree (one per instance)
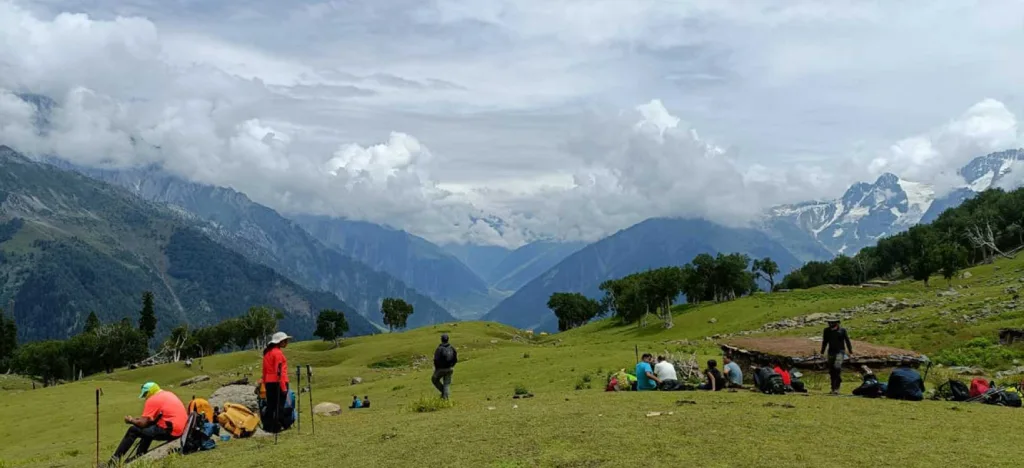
(92, 323)
(147, 317)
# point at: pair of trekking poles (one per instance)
(298, 399)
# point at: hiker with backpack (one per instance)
(445, 358)
(834, 339)
(905, 383)
(275, 381)
(163, 418)
(870, 386)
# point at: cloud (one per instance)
(498, 121)
(934, 157)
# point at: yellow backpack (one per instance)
(238, 420)
(201, 406)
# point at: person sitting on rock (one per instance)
(366, 401)
(356, 403)
(905, 383)
(715, 381)
(666, 373)
(163, 418)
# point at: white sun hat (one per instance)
(279, 337)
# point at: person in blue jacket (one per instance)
(905, 383)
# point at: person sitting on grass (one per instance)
(163, 418)
(733, 373)
(905, 383)
(356, 403)
(715, 380)
(645, 378)
(666, 373)
(366, 401)
(870, 387)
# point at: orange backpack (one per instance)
(201, 406)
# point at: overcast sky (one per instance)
(567, 119)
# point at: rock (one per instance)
(966, 275)
(964, 370)
(357, 380)
(239, 394)
(194, 380)
(491, 408)
(816, 317)
(327, 409)
(948, 293)
(712, 320)
(653, 413)
(1011, 372)
(1011, 290)
(494, 341)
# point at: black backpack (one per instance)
(193, 438)
(448, 356)
(953, 390)
(1003, 398)
(769, 382)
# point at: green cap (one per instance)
(148, 389)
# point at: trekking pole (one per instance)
(277, 407)
(298, 398)
(99, 392)
(927, 369)
(309, 378)
(636, 349)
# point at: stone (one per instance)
(1010, 372)
(494, 341)
(948, 293)
(194, 380)
(327, 409)
(1011, 290)
(964, 370)
(238, 394)
(816, 317)
(357, 380)
(712, 320)
(966, 275)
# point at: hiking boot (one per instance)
(834, 392)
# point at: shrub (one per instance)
(431, 404)
(583, 383)
(393, 361)
(521, 390)
(979, 352)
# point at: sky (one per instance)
(501, 122)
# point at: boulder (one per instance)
(194, 380)
(964, 370)
(816, 317)
(327, 409)
(1011, 372)
(712, 320)
(239, 394)
(948, 293)
(966, 275)
(357, 380)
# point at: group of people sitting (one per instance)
(661, 374)
(357, 403)
(905, 383)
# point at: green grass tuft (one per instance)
(431, 404)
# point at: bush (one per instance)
(521, 390)
(393, 361)
(431, 404)
(979, 352)
(583, 383)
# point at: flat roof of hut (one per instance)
(802, 353)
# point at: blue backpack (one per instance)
(290, 413)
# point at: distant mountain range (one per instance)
(70, 245)
(651, 244)
(265, 237)
(868, 212)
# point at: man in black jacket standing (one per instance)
(445, 358)
(835, 339)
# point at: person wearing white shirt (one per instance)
(666, 373)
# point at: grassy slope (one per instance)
(562, 426)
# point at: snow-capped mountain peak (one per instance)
(1003, 169)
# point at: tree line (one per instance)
(982, 228)
(104, 347)
(632, 298)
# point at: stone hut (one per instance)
(802, 353)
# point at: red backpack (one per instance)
(978, 387)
